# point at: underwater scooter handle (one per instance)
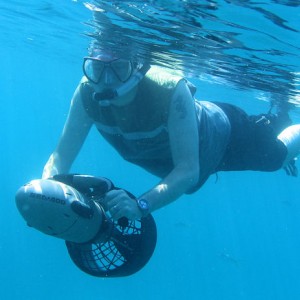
(70, 206)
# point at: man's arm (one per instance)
(184, 142)
(73, 136)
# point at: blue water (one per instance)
(236, 238)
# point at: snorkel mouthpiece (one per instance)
(106, 94)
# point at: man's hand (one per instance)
(119, 204)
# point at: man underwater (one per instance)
(150, 116)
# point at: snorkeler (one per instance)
(150, 116)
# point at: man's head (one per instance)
(112, 75)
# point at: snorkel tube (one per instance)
(70, 207)
(104, 97)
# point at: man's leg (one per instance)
(290, 137)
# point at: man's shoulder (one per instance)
(84, 88)
(164, 77)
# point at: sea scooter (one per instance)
(71, 207)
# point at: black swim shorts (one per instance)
(253, 143)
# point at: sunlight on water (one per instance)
(249, 45)
(245, 44)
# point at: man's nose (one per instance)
(108, 76)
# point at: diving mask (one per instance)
(95, 67)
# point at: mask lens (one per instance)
(122, 69)
(93, 69)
